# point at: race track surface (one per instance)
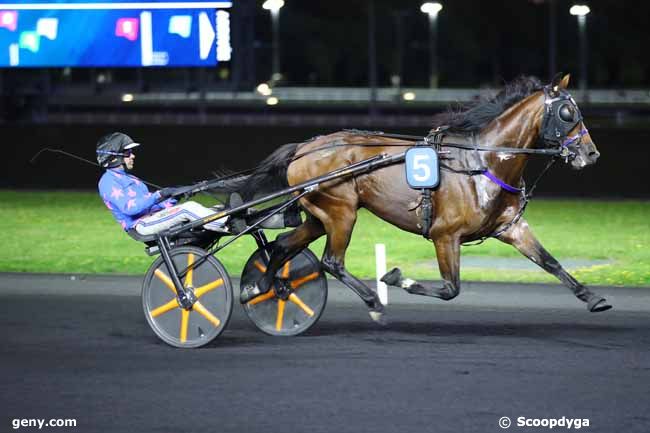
(82, 349)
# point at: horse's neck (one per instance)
(518, 127)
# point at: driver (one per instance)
(129, 199)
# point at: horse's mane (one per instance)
(475, 116)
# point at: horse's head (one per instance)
(563, 126)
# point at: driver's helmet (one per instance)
(112, 149)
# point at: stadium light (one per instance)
(432, 9)
(408, 96)
(580, 12)
(127, 97)
(272, 101)
(273, 5)
(264, 89)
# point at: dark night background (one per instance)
(480, 42)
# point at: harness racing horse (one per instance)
(478, 196)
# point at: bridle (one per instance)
(561, 116)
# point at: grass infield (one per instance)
(72, 232)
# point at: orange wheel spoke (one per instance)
(189, 277)
(208, 287)
(199, 308)
(300, 281)
(286, 269)
(164, 308)
(259, 266)
(280, 319)
(261, 298)
(296, 300)
(165, 279)
(185, 319)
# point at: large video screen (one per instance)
(111, 33)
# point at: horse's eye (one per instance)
(566, 113)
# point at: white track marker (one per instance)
(380, 264)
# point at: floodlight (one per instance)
(408, 96)
(273, 5)
(579, 10)
(431, 8)
(264, 89)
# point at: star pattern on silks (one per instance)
(117, 193)
(168, 204)
(108, 204)
(147, 195)
(117, 175)
(130, 203)
(131, 193)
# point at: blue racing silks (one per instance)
(128, 198)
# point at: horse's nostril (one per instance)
(594, 155)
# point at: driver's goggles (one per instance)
(126, 154)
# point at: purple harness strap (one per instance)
(579, 135)
(501, 183)
(512, 189)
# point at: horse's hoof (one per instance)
(248, 293)
(597, 304)
(377, 313)
(392, 278)
(379, 317)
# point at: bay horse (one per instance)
(468, 205)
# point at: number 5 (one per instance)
(421, 170)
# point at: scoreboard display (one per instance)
(112, 33)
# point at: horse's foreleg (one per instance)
(448, 253)
(284, 248)
(521, 237)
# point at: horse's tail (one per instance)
(269, 176)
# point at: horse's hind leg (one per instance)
(284, 248)
(339, 220)
(521, 237)
(448, 254)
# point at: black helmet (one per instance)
(111, 147)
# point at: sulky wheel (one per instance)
(297, 299)
(207, 280)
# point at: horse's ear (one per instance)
(564, 83)
(557, 81)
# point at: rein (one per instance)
(426, 140)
